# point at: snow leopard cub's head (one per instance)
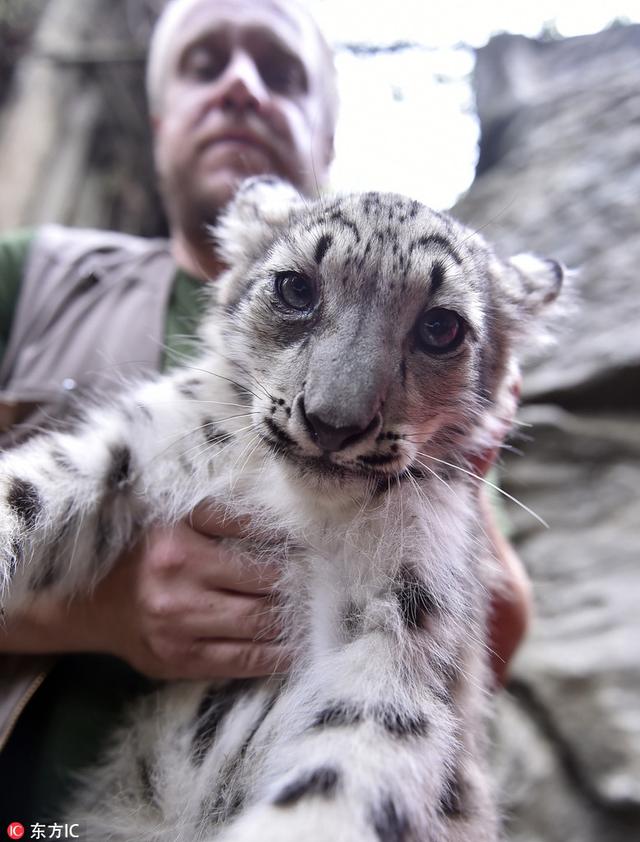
(373, 335)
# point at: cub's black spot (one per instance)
(120, 467)
(322, 247)
(414, 599)
(403, 372)
(189, 388)
(377, 459)
(439, 241)
(338, 216)
(352, 620)
(213, 434)
(415, 472)
(64, 461)
(231, 795)
(25, 501)
(322, 781)
(437, 276)
(214, 706)
(452, 799)
(401, 724)
(337, 715)
(236, 803)
(279, 434)
(146, 782)
(389, 823)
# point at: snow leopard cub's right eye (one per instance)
(440, 331)
(296, 291)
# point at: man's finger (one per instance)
(213, 521)
(233, 616)
(232, 659)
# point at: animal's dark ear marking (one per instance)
(25, 501)
(538, 281)
(322, 781)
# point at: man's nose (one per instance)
(241, 86)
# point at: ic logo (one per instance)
(15, 830)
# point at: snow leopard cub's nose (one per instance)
(332, 439)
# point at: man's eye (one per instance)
(203, 64)
(283, 76)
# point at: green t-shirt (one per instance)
(66, 725)
(183, 311)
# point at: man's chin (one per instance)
(216, 188)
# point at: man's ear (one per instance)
(260, 209)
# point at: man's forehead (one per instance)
(278, 17)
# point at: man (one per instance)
(236, 87)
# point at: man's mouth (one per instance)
(240, 140)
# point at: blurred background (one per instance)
(526, 119)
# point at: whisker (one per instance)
(491, 485)
(222, 377)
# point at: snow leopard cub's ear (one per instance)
(535, 282)
(260, 209)
(532, 288)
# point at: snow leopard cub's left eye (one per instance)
(295, 290)
(440, 331)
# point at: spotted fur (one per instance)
(327, 410)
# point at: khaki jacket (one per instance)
(91, 312)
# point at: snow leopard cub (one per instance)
(356, 355)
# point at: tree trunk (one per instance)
(75, 143)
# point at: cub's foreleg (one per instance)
(70, 502)
(374, 742)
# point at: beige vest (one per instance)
(91, 312)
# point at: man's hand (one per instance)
(180, 604)
(183, 605)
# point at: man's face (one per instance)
(242, 97)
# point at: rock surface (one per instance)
(559, 175)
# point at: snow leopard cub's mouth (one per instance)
(338, 453)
